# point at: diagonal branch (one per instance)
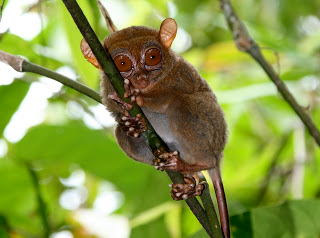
(245, 43)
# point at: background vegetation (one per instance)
(67, 177)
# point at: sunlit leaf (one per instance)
(290, 219)
(10, 98)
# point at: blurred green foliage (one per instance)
(270, 159)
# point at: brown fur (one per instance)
(195, 117)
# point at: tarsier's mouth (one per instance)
(140, 84)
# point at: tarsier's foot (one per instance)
(126, 106)
(191, 188)
(134, 126)
(169, 161)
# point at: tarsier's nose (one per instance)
(142, 77)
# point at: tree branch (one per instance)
(245, 43)
(21, 65)
(211, 213)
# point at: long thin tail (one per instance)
(111, 27)
(221, 200)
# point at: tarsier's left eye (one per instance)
(123, 63)
(153, 57)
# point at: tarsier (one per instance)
(178, 103)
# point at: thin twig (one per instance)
(42, 208)
(276, 55)
(245, 43)
(30, 67)
(21, 65)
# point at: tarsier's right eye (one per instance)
(123, 63)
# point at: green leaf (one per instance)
(240, 225)
(156, 229)
(53, 147)
(10, 98)
(294, 219)
(17, 201)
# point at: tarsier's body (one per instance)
(178, 103)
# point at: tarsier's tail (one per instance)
(221, 200)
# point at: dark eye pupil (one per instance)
(153, 56)
(122, 63)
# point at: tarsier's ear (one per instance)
(87, 53)
(168, 31)
(111, 26)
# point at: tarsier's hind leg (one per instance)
(135, 148)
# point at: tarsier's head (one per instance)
(140, 53)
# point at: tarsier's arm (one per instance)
(180, 106)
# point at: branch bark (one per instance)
(245, 43)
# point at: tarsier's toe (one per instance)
(166, 161)
(185, 191)
(134, 126)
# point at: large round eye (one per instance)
(123, 63)
(153, 57)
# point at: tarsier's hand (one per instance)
(134, 126)
(133, 93)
